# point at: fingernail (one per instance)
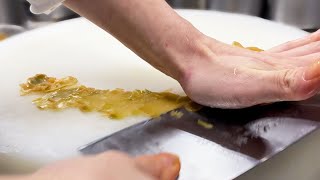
(169, 159)
(312, 72)
(171, 165)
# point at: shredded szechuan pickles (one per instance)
(116, 104)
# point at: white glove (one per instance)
(44, 6)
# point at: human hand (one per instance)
(220, 75)
(113, 166)
(211, 73)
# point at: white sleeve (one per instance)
(44, 6)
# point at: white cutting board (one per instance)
(30, 137)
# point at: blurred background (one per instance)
(15, 16)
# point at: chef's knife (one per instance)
(215, 143)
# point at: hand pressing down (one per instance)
(231, 77)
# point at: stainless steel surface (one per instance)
(12, 17)
(239, 140)
(16, 12)
(12, 12)
(188, 4)
(304, 14)
(10, 30)
(298, 162)
(250, 7)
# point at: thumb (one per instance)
(162, 166)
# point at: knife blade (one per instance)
(215, 143)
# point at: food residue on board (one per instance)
(205, 124)
(176, 114)
(116, 104)
(2, 36)
(41, 83)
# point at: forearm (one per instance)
(151, 28)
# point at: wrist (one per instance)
(192, 48)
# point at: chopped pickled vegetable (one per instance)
(254, 49)
(2, 36)
(204, 124)
(237, 44)
(192, 107)
(115, 104)
(41, 83)
(176, 114)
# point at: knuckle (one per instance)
(286, 81)
(315, 36)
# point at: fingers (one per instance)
(297, 84)
(296, 43)
(307, 59)
(307, 49)
(292, 62)
(162, 166)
